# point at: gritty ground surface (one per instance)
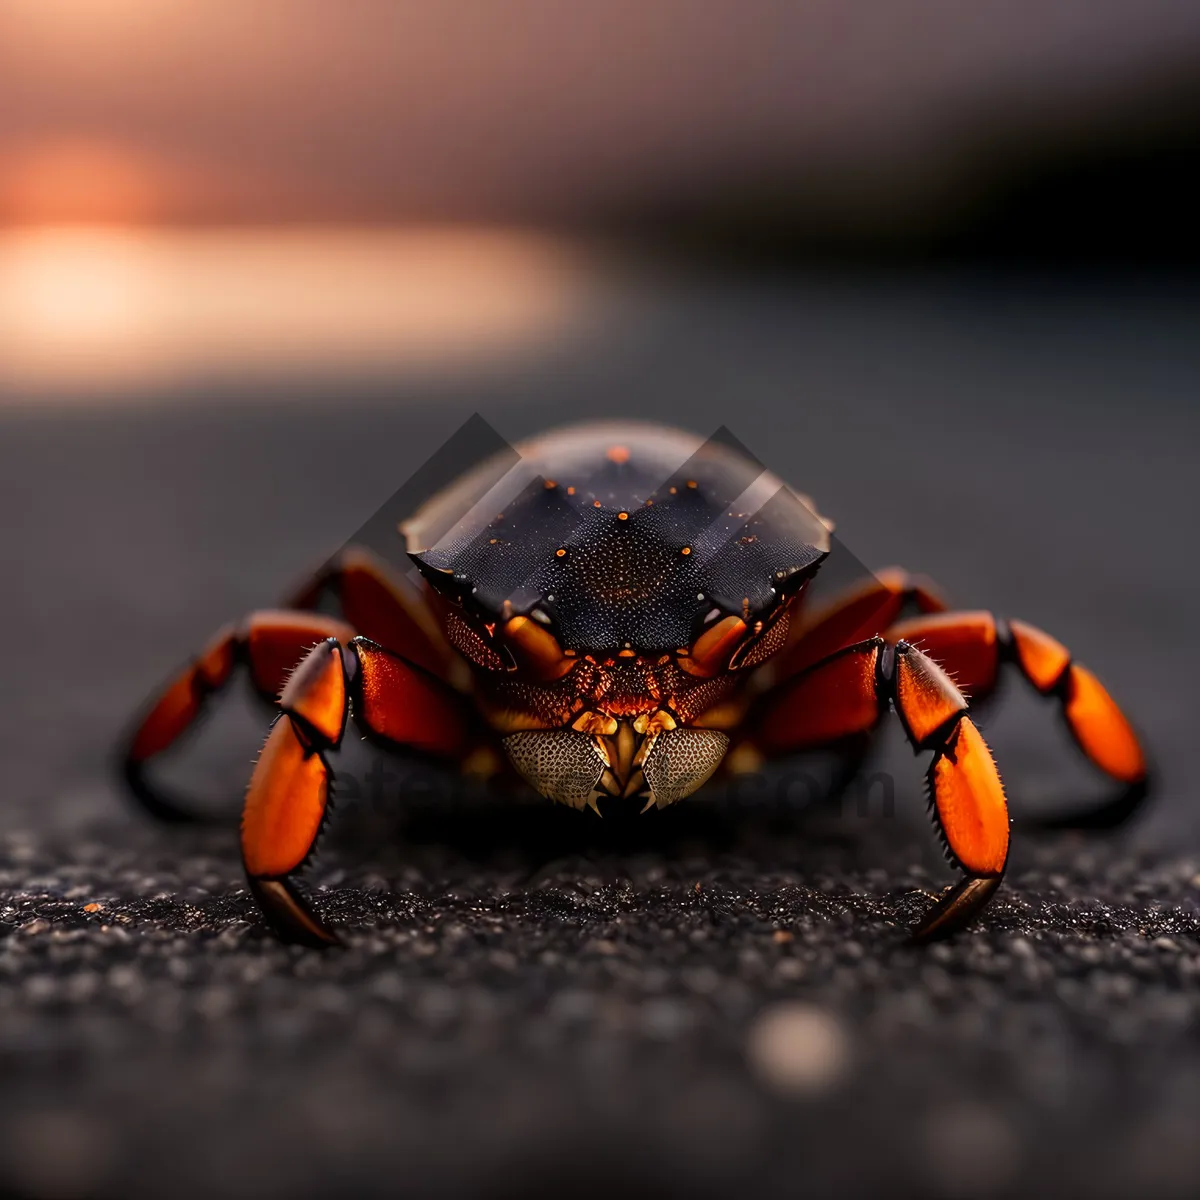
(710, 1001)
(697, 1021)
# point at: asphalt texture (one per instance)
(713, 1000)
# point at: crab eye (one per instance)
(712, 650)
(535, 649)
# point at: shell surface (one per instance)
(618, 535)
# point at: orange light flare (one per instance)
(128, 311)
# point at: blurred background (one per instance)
(937, 264)
(193, 192)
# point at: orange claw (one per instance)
(289, 790)
(285, 803)
(842, 696)
(288, 794)
(1101, 729)
(969, 799)
(925, 694)
(316, 692)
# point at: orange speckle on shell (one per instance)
(595, 503)
(93, 907)
(686, 550)
(560, 552)
(622, 516)
(617, 454)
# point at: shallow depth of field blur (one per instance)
(195, 195)
(936, 263)
(933, 263)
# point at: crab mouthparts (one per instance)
(598, 755)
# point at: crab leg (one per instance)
(288, 795)
(270, 643)
(860, 612)
(846, 695)
(380, 606)
(971, 646)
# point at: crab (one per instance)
(616, 618)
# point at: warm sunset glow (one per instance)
(84, 311)
(78, 182)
